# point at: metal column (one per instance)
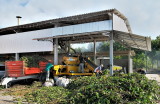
(56, 51)
(130, 63)
(55, 45)
(111, 53)
(111, 47)
(16, 56)
(95, 60)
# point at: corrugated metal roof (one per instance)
(133, 40)
(65, 21)
(127, 39)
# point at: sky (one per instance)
(143, 15)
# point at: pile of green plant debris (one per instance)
(119, 89)
(124, 88)
(32, 61)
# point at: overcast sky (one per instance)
(143, 15)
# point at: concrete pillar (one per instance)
(130, 63)
(111, 53)
(95, 60)
(16, 56)
(56, 51)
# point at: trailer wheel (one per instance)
(42, 77)
(9, 84)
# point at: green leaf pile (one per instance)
(119, 89)
(32, 61)
(47, 95)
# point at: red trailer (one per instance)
(16, 70)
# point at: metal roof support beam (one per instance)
(56, 51)
(111, 45)
(55, 45)
(111, 53)
(16, 56)
(130, 62)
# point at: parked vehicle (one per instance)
(16, 70)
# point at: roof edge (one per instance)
(119, 14)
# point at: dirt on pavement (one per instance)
(5, 99)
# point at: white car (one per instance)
(2, 70)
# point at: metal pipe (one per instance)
(111, 54)
(111, 49)
(55, 45)
(18, 22)
(18, 19)
(130, 63)
(16, 56)
(56, 51)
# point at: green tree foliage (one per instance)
(101, 47)
(119, 47)
(104, 47)
(139, 61)
(154, 55)
(156, 44)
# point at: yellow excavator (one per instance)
(70, 67)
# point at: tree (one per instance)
(156, 44)
(155, 54)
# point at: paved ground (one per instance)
(154, 77)
(5, 99)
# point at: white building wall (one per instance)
(83, 28)
(119, 24)
(23, 42)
